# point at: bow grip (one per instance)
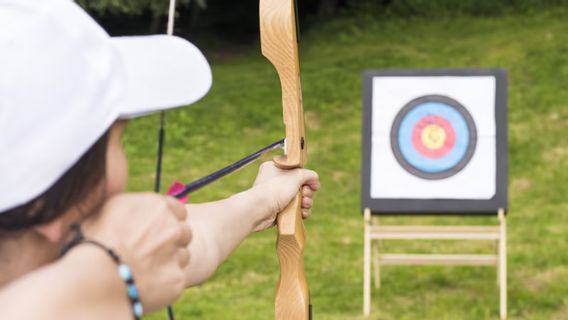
(292, 294)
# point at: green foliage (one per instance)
(243, 112)
(133, 7)
(436, 8)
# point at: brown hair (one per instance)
(70, 190)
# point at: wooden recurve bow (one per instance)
(279, 43)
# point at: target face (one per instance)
(434, 141)
(433, 137)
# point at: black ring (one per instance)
(450, 171)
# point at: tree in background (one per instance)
(328, 8)
(137, 8)
(234, 17)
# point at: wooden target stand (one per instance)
(395, 103)
(374, 233)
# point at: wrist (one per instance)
(254, 204)
(96, 273)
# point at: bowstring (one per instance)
(161, 132)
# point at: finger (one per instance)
(177, 208)
(183, 257)
(307, 203)
(307, 192)
(311, 179)
(306, 213)
(185, 235)
(315, 185)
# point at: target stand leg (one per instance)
(502, 266)
(367, 264)
(376, 265)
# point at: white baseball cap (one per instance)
(64, 81)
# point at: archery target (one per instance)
(433, 137)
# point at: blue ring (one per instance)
(427, 168)
(417, 160)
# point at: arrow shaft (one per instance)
(202, 182)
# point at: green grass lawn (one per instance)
(243, 112)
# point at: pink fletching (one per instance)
(175, 188)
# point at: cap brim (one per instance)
(162, 72)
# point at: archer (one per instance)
(73, 244)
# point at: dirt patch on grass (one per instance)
(520, 184)
(556, 153)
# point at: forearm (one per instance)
(82, 285)
(218, 229)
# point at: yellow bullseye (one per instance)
(433, 136)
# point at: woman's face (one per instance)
(117, 165)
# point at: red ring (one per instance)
(417, 137)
